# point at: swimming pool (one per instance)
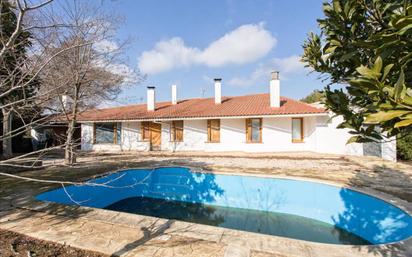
(283, 207)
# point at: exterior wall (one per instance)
(389, 150)
(276, 136)
(329, 139)
(194, 136)
(87, 136)
(132, 138)
(320, 135)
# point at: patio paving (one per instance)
(122, 234)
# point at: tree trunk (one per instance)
(7, 148)
(69, 156)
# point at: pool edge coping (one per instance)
(371, 192)
(389, 199)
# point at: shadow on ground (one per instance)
(21, 193)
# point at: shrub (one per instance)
(404, 147)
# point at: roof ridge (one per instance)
(245, 105)
(186, 99)
(301, 102)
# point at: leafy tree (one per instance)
(366, 45)
(315, 96)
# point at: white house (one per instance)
(250, 123)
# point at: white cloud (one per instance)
(130, 75)
(243, 45)
(286, 66)
(108, 49)
(167, 55)
(105, 46)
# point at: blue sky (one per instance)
(191, 42)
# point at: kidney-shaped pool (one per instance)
(283, 207)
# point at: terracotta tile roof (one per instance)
(249, 105)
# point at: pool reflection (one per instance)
(269, 223)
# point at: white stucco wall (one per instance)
(320, 135)
(276, 136)
(194, 136)
(132, 138)
(389, 150)
(87, 136)
(329, 139)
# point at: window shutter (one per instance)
(213, 130)
(254, 130)
(144, 130)
(216, 130)
(172, 132)
(248, 130)
(209, 134)
(177, 131)
(115, 133)
(94, 133)
(297, 130)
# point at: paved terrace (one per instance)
(122, 234)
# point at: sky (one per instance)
(189, 43)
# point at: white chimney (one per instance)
(150, 98)
(65, 102)
(218, 91)
(274, 89)
(174, 94)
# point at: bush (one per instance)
(404, 147)
(315, 96)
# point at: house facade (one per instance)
(251, 123)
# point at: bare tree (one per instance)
(26, 32)
(17, 78)
(48, 56)
(92, 71)
(66, 54)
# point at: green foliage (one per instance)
(404, 147)
(315, 96)
(367, 46)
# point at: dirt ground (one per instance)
(14, 244)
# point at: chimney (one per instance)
(274, 89)
(65, 102)
(218, 91)
(150, 98)
(174, 94)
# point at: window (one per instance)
(297, 130)
(213, 131)
(145, 130)
(254, 130)
(176, 132)
(107, 133)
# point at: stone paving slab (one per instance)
(107, 238)
(125, 234)
(149, 236)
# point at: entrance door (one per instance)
(155, 135)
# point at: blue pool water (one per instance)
(283, 207)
